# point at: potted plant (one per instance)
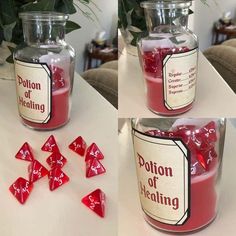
(11, 33)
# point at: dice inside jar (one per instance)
(168, 57)
(44, 68)
(178, 165)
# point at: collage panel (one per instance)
(176, 176)
(117, 117)
(169, 65)
(58, 118)
(177, 59)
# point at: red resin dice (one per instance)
(50, 145)
(160, 133)
(207, 157)
(78, 146)
(56, 159)
(25, 153)
(196, 167)
(57, 77)
(21, 189)
(200, 142)
(36, 171)
(94, 167)
(93, 152)
(96, 202)
(57, 178)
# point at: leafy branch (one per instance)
(10, 24)
(90, 13)
(131, 18)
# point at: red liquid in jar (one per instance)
(203, 205)
(152, 67)
(60, 110)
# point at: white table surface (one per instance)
(60, 212)
(213, 98)
(131, 221)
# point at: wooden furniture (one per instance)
(222, 33)
(99, 55)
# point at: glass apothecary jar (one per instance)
(168, 56)
(44, 70)
(178, 164)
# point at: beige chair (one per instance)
(105, 80)
(223, 58)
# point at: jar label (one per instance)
(180, 74)
(33, 86)
(163, 170)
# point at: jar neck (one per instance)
(166, 20)
(44, 32)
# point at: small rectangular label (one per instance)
(179, 74)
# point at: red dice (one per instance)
(50, 145)
(21, 189)
(78, 146)
(57, 178)
(94, 167)
(56, 159)
(96, 202)
(36, 171)
(25, 153)
(93, 152)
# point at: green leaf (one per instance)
(1, 36)
(11, 49)
(123, 22)
(138, 20)
(136, 36)
(87, 1)
(10, 59)
(65, 6)
(17, 36)
(190, 12)
(8, 30)
(7, 12)
(42, 5)
(71, 26)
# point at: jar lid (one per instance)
(166, 4)
(43, 16)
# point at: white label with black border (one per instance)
(33, 86)
(163, 178)
(179, 77)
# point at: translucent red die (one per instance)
(200, 142)
(78, 146)
(207, 133)
(50, 145)
(94, 167)
(25, 153)
(207, 157)
(160, 133)
(56, 159)
(93, 152)
(57, 77)
(21, 189)
(57, 178)
(95, 201)
(36, 171)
